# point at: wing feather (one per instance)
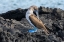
(37, 22)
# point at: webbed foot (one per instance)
(33, 30)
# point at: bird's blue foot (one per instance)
(33, 30)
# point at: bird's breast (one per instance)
(27, 17)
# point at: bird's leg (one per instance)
(33, 30)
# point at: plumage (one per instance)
(35, 21)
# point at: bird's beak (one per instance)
(37, 13)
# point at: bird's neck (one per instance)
(30, 11)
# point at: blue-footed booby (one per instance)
(34, 20)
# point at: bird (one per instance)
(34, 20)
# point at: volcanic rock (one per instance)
(14, 26)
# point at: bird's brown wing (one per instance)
(37, 22)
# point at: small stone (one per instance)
(2, 18)
(7, 20)
(1, 29)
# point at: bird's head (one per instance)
(35, 10)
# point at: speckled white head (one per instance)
(34, 9)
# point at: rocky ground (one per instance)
(14, 27)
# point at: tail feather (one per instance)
(45, 30)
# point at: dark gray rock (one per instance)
(14, 26)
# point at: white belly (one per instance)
(27, 17)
